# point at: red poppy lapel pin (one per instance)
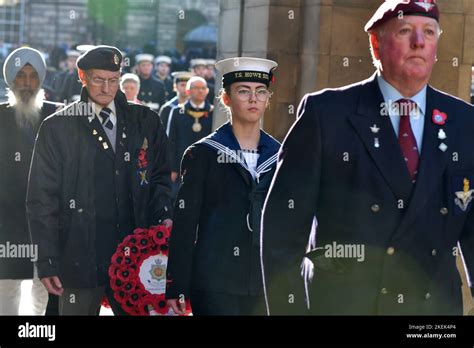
(439, 117)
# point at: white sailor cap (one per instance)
(211, 62)
(84, 48)
(181, 76)
(73, 53)
(163, 59)
(246, 69)
(144, 57)
(197, 62)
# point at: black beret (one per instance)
(393, 8)
(100, 57)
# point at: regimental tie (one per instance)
(406, 138)
(105, 115)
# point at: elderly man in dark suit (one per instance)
(386, 168)
(99, 170)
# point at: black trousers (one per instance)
(86, 301)
(213, 303)
(52, 308)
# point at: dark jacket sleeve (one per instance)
(164, 113)
(467, 247)
(186, 219)
(161, 98)
(173, 137)
(43, 200)
(288, 214)
(160, 204)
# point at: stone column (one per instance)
(270, 29)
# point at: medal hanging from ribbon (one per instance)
(143, 163)
(197, 127)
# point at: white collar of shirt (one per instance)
(111, 106)
(391, 95)
(200, 106)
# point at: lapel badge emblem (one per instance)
(443, 147)
(374, 129)
(143, 180)
(116, 59)
(427, 5)
(104, 144)
(94, 132)
(464, 197)
(442, 135)
(439, 117)
(376, 143)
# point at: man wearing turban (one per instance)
(20, 117)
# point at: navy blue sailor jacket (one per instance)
(214, 245)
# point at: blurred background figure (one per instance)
(162, 73)
(210, 77)
(189, 123)
(68, 88)
(130, 85)
(152, 91)
(200, 67)
(180, 80)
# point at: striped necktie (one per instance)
(105, 115)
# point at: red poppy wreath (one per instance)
(138, 272)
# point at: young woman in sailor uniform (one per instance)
(214, 247)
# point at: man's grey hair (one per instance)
(193, 79)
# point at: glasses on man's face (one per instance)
(245, 94)
(98, 82)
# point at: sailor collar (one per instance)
(223, 141)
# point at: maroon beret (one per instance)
(393, 8)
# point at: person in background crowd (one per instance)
(162, 69)
(130, 85)
(68, 87)
(24, 71)
(210, 76)
(189, 123)
(152, 91)
(200, 67)
(180, 79)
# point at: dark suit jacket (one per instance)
(363, 195)
(16, 148)
(181, 134)
(63, 168)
